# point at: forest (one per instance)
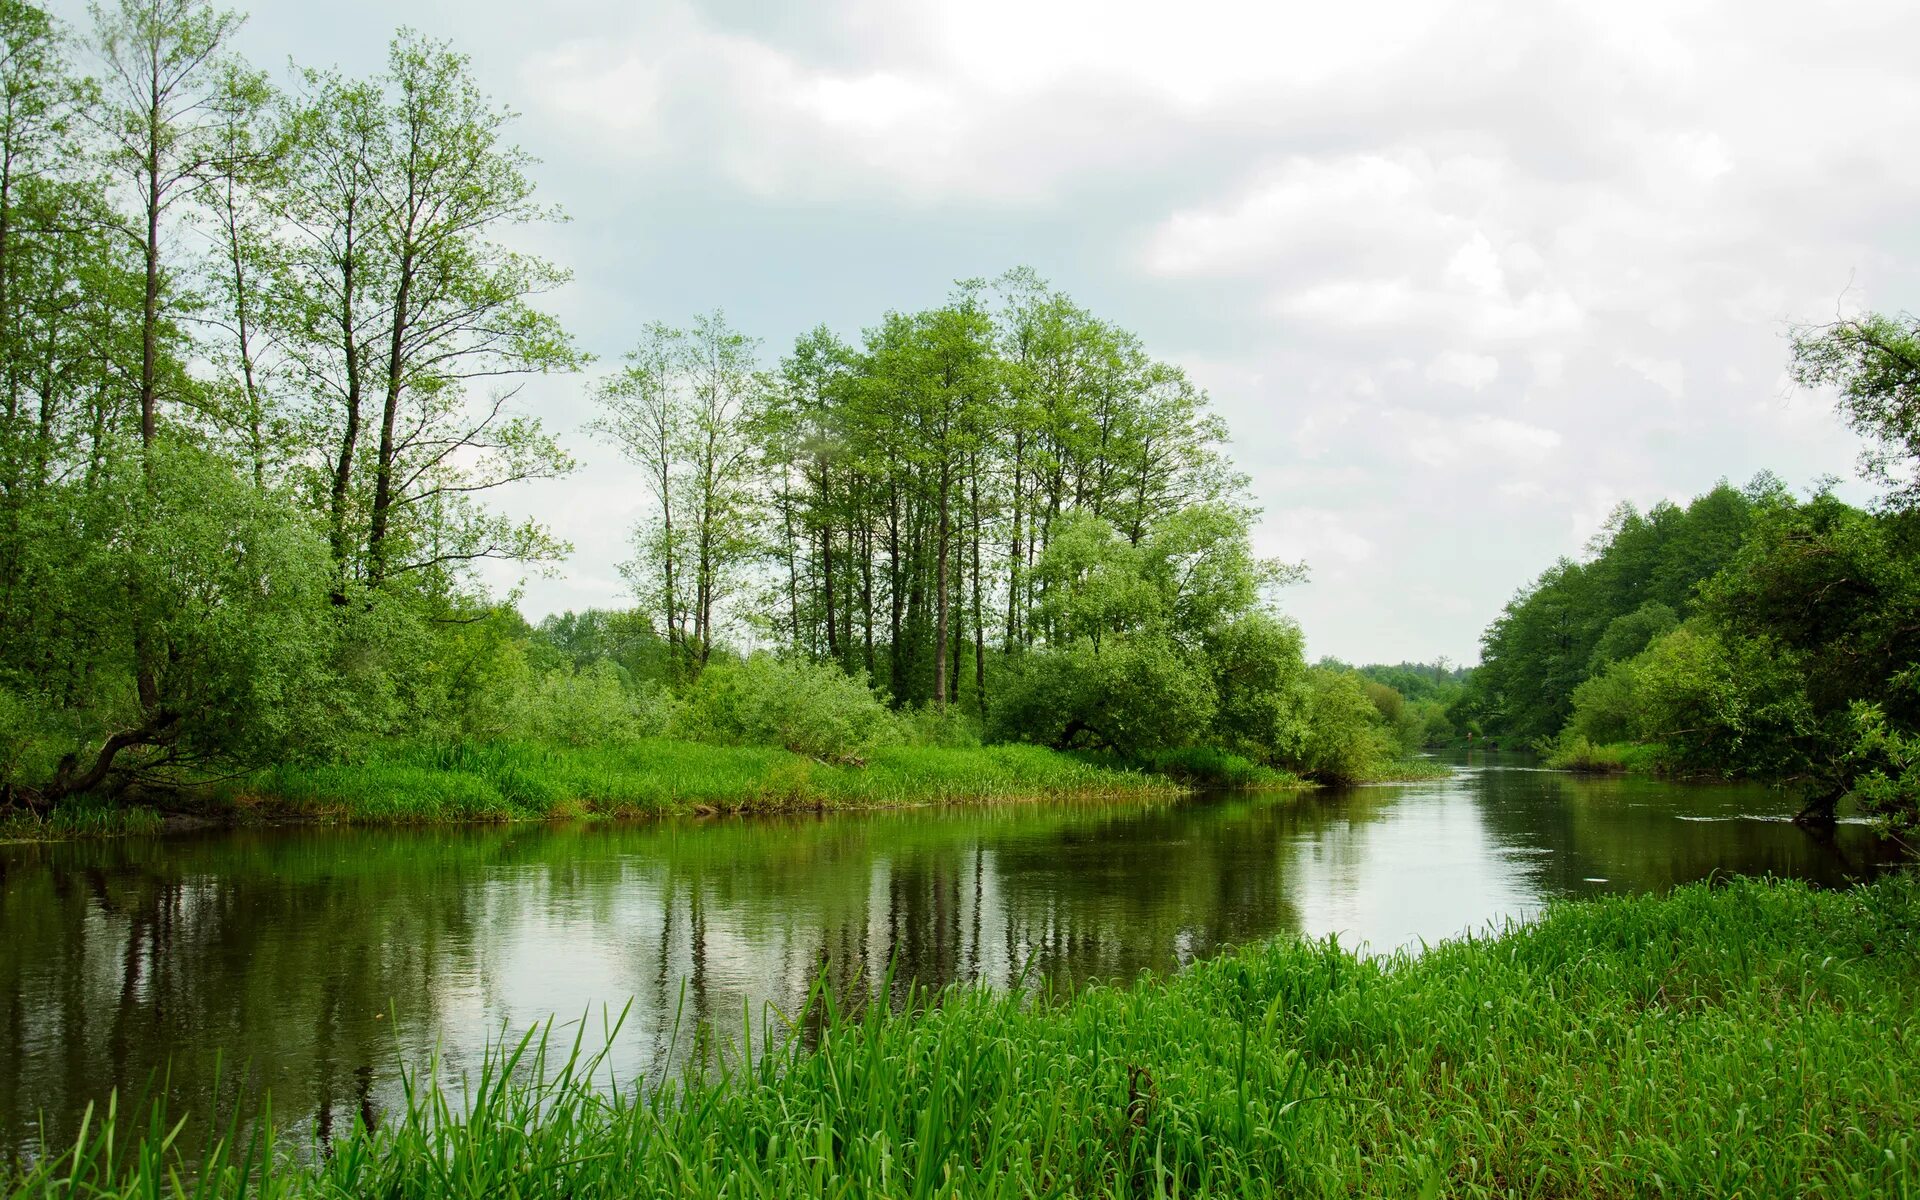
(265, 349)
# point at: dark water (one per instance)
(317, 961)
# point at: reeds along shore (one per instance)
(1749, 1038)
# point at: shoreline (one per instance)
(655, 779)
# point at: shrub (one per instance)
(1344, 739)
(592, 706)
(809, 708)
(956, 728)
(1259, 677)
(1136, 697)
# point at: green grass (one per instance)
(517, 780)
(1751, 1039)
(1218, 768)
(1578, 753)
(1404, 770)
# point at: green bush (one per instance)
(1136, 696)
(809, 708)
(925, 725)
(1259, 674)
(1217, 768)
(592, 705)
(1344, 740)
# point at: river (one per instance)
(316, 961)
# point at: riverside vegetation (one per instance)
(262, 348)
(1739, 1039)
(266, 365)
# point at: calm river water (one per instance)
(317, 961)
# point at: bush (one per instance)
(592, 706)
(956, 728)
(1136, 697)
(1259, 675)
(33, 736)
(1217, 768)
(1606, 708)
(809, 708)
(1344, 739)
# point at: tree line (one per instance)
(888, 506)
(258, 352)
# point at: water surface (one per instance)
(316, 961)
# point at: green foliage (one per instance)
(1874, 363)
(518, 780)
(1137, 696)
(809, 708)
(1343, 739)
(1260, 678)
(246, 475)
(1554, 635)
(1217, 768)
(1769, 1008)
(1882, 767)
(592, 705)
(1626, 636)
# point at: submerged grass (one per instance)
(512, 780)
(1751, 1039)
(78, 817)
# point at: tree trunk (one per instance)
(940, 595)
(383, 497)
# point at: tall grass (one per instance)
(1752, 1039)
(1577, 752)
(507, 780)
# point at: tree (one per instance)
(1874, 364)
(398, 303)
(684, 410)
(162, 66)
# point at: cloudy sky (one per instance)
(1461, 276)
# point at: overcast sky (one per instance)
(1461, 277)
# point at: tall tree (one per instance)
(402, 304)
(161, 59)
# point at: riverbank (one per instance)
(1752, 1038)
(519, 781)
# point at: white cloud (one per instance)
(1667, 375)
(1462, 369)
(1481, 441)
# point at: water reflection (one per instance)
(323, 959)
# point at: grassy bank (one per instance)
(503, 781)
(518, 780)
(1753, 1039)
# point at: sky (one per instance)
(1461, 277)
